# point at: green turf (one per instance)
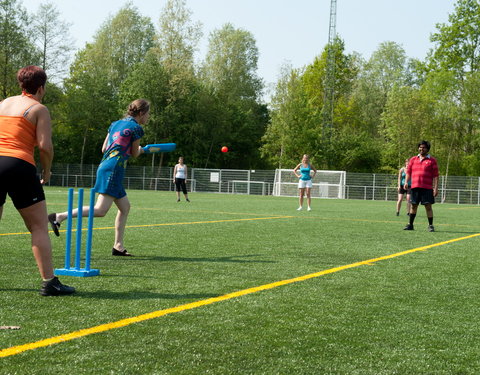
(412, 314)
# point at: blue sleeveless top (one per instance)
(305, 173)
(402, 178)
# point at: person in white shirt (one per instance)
(179, 178)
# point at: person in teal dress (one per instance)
(121, 143)
(305, 181)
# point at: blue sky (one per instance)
(286, 31)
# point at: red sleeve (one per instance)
(409, 168)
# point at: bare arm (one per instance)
(314, 170)
(407, 180)
(44, 141)
(137, 150)
(435, 186)
(174, 172)
(105, 144)
(296, 169)
(186, 172)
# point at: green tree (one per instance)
(457, 43)
(178, 37)
(97, 73)
(16, 48)
(148, 79)
(387, 68)
(286, 136)
(230, 70)
(53, 40)
(176, 42)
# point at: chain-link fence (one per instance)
(366, 186)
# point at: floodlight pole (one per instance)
(329, 82)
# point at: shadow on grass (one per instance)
(141, 294)
(227, 259)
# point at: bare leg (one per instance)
(103, 204)
(300, 197)
(399, 201)
(178, 195)
(309, 199)
(35, 218)
(413, 209)
(123, 205)
(429, 210)
(409, 205)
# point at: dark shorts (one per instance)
(403, 191)
(181, 185)
(422, 196)
(19, 180)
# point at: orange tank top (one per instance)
(17, 138)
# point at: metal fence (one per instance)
(366, 186)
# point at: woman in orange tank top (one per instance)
(24, 124)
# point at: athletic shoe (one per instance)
(178, 200)
(120, 253)
(55, 288)
(299, 209)
(309, 209)
(431, 228)
(408, 227)
(52, 218)
(188, 200)
(398, 213)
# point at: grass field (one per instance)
(358, 312)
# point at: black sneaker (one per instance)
(178, 200)
(52, 218)
(120, 253)
(431, 228)
(55, 288)
(408, 227)
(398, 213)
(188, 200)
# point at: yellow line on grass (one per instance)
(156, 314)
(170, 224)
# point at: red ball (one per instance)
(224, 149)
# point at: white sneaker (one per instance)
(299, 208)
(309, 209)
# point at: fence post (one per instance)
(220, 181)
(373, 189)
(478, 191)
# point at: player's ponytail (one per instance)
(138, 107)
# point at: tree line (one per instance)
(382, 105)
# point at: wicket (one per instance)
(76, 270)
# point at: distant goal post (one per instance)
(326, 184)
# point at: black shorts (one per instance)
(403, 191)
(181, 185)
(19, 180)
(423, 196)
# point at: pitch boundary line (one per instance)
(168, 224)
(189, 306)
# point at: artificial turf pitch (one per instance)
(215, 287)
